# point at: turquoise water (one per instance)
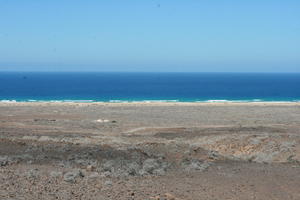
(123, 87)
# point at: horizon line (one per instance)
(208, 72)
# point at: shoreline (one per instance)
(142, 103)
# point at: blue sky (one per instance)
(150, 35)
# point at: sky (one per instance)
(150, 35)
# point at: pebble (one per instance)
(93, 176)
(56, 174)
(90, 168)
(3, 160)
(72, 176)
(108, 183)
(33, 173)
(169, 196)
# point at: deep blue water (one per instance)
(149, 86)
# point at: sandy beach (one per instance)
(182, 151)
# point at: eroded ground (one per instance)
(149, 151)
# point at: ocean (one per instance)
(165, 87)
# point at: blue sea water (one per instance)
(115, 87)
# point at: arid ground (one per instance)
(171, 151)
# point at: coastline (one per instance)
(152, 103)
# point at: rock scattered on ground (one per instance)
(71, 176)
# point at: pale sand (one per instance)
(265, 103)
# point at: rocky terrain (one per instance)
(149, 151)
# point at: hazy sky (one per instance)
(150, 35)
